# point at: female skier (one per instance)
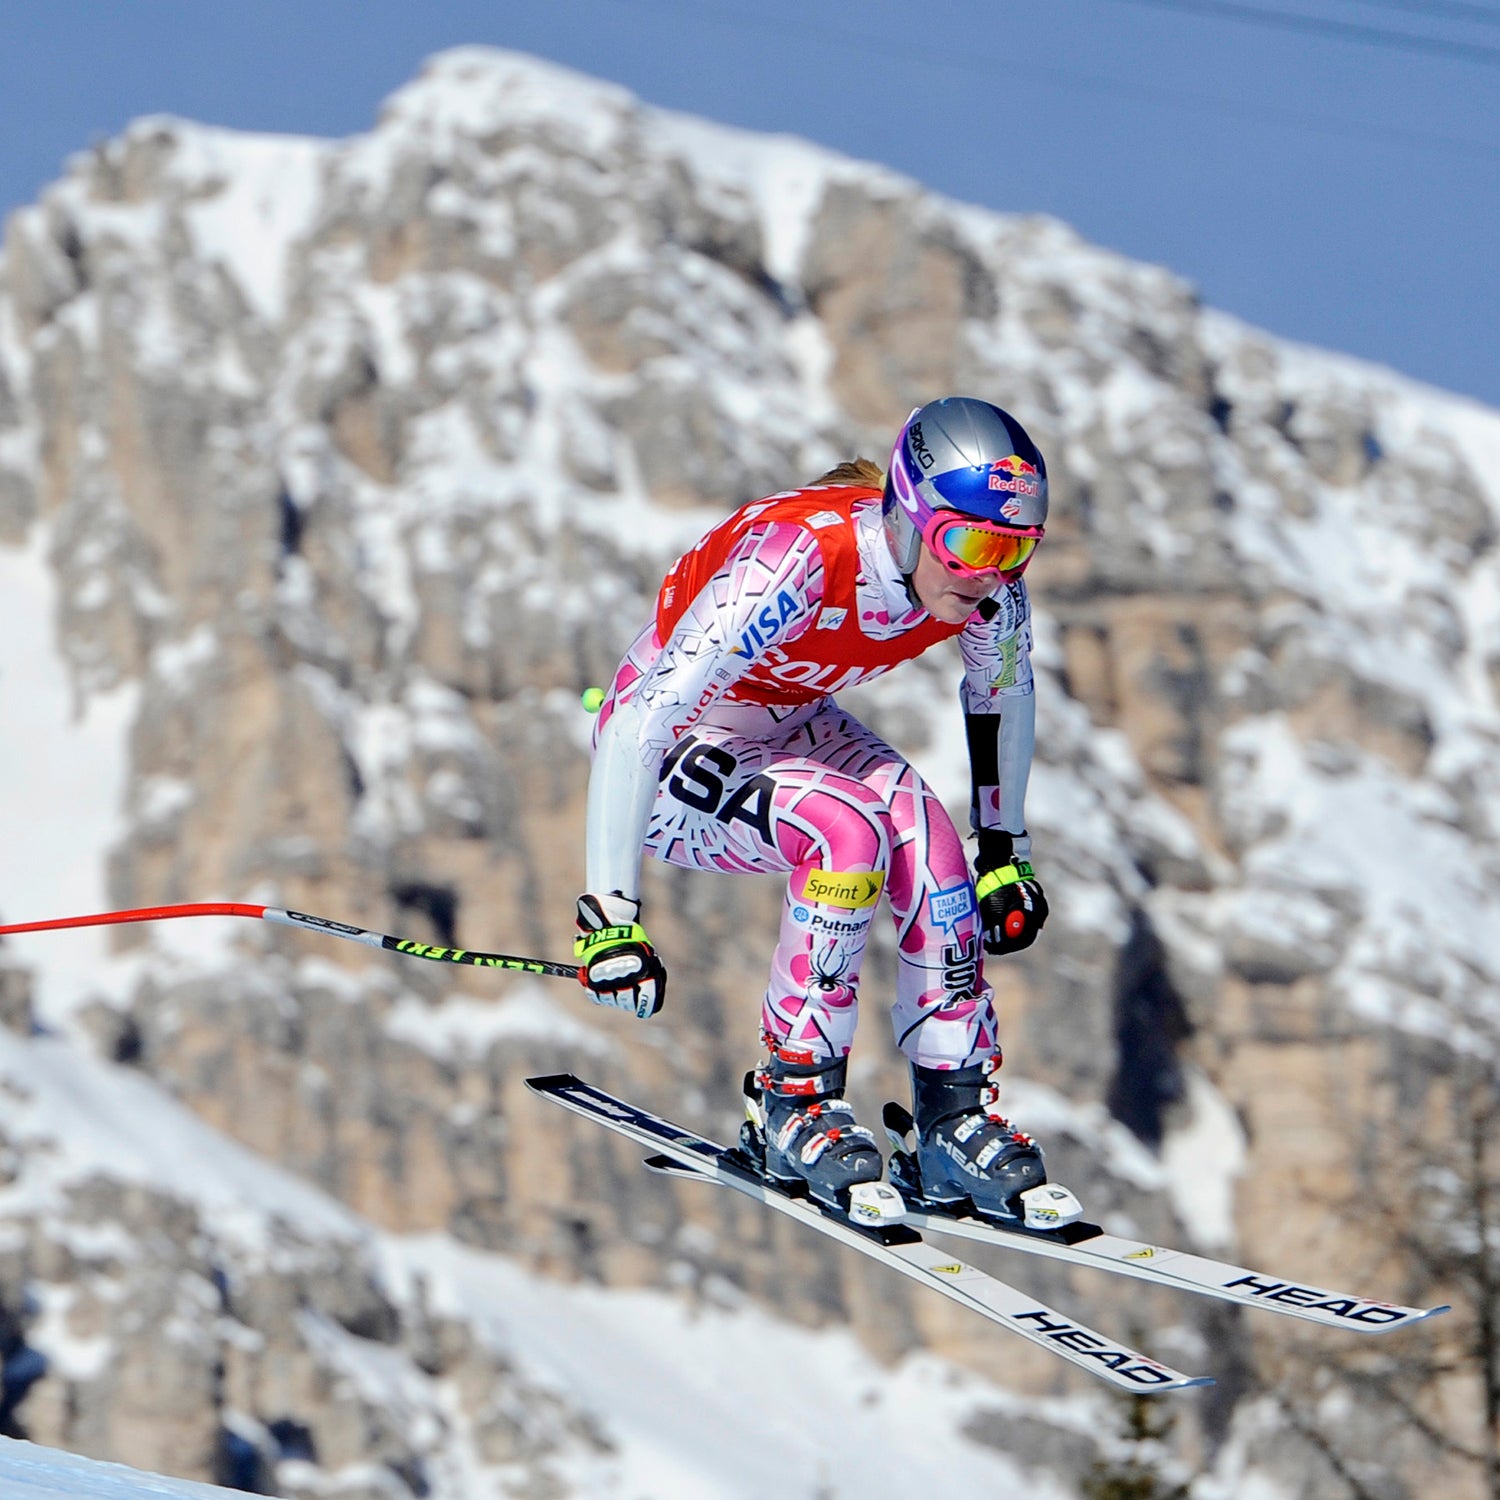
(720, 746)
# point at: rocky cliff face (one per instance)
(356, 461)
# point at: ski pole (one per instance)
(275, 914)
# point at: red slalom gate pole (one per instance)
(409, 946)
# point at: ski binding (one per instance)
(1050, 1206)
(875, 1204)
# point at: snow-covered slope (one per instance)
(29, 1472)
(604, 1392)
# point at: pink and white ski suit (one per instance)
(721, 747)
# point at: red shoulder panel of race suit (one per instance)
(836, 651)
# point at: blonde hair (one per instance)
(861, 471)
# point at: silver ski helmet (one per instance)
(966, 456)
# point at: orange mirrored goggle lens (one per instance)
(981, 548)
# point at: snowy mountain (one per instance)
(331, 472)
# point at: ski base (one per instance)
(686, 1154)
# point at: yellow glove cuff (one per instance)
(994, 880)
(587, 946)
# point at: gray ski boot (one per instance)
(965, 1153)
(812, 1142)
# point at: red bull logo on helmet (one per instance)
(1013, 464)
(1014, 476)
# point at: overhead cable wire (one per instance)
(1349, 31)
(1091, 83)
(1452, 10)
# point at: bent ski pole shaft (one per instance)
(409, 946)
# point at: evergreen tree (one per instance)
(1146, 1424)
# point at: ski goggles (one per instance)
(966, 544)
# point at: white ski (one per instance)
(1083, 1244)
(686, 1154)
(1089, 1245)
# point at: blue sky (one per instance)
(1337, 192)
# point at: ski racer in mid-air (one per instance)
(721, 746)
